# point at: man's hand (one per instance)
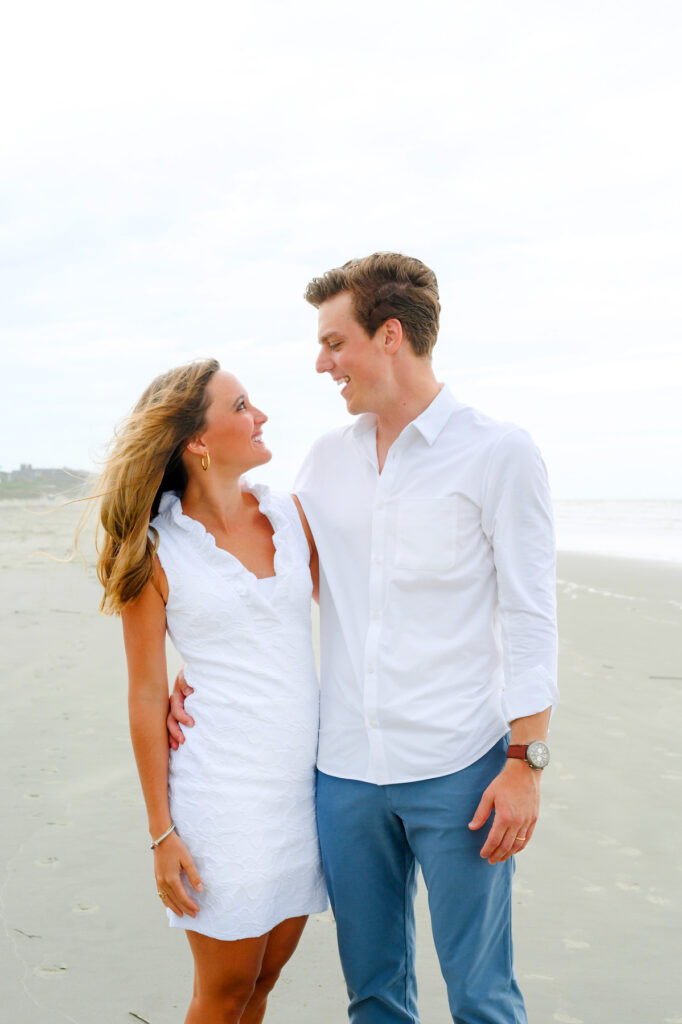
(514, 795)
(177, 713)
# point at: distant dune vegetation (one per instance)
(31, 482)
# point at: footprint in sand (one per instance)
(50, 972)
(628, 886)
(594, 888)
(47, 862)
(85, 908)
(520, 889)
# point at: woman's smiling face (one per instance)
(233, 431)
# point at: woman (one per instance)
(225, 569)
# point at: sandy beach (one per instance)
(598, 894)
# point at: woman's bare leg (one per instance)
(225, 977)
(282, 942)
(232, 980)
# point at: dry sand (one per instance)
(598, 909)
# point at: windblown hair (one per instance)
(145, 459)
(384, 286)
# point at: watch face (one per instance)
(537, 754)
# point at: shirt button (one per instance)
(373, 723)
(380, 506)
(370, 669)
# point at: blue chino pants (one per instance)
(372, 839)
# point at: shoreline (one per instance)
(585, 565)
(640, 537)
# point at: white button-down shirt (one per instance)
(437, 591)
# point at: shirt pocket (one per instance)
(426, 534)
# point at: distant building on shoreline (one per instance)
(30, 480)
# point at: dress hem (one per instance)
(255, 932)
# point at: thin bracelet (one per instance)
(158, 841)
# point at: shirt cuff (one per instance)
(534, 691)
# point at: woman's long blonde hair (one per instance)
(145, 460)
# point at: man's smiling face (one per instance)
(349, 354)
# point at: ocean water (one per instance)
(628, 529)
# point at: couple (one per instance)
(426, 527)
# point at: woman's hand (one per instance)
(170, 858)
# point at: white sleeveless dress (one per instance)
(242, 786)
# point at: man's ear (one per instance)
(393, 335)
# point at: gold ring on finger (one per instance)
(161, 895)
(520, 839)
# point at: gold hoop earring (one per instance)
(205, 461)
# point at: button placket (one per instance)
(371, 660)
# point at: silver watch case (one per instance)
(537, 755)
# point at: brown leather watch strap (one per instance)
(517, 750)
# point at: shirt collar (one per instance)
(363, 423)
(429, 423)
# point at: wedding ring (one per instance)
(161, 895)
(520, 839)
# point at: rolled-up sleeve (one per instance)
(517, 519)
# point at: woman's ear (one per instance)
(195, 446)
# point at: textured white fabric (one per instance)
(242, 785)
(437, 599)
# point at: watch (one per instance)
(536, 753)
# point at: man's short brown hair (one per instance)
(383, 286)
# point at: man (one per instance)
(434, 533)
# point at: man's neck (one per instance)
(407, 406)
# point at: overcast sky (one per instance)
(173, 174)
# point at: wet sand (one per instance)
(598, 905)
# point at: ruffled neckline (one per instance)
(170, 508)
